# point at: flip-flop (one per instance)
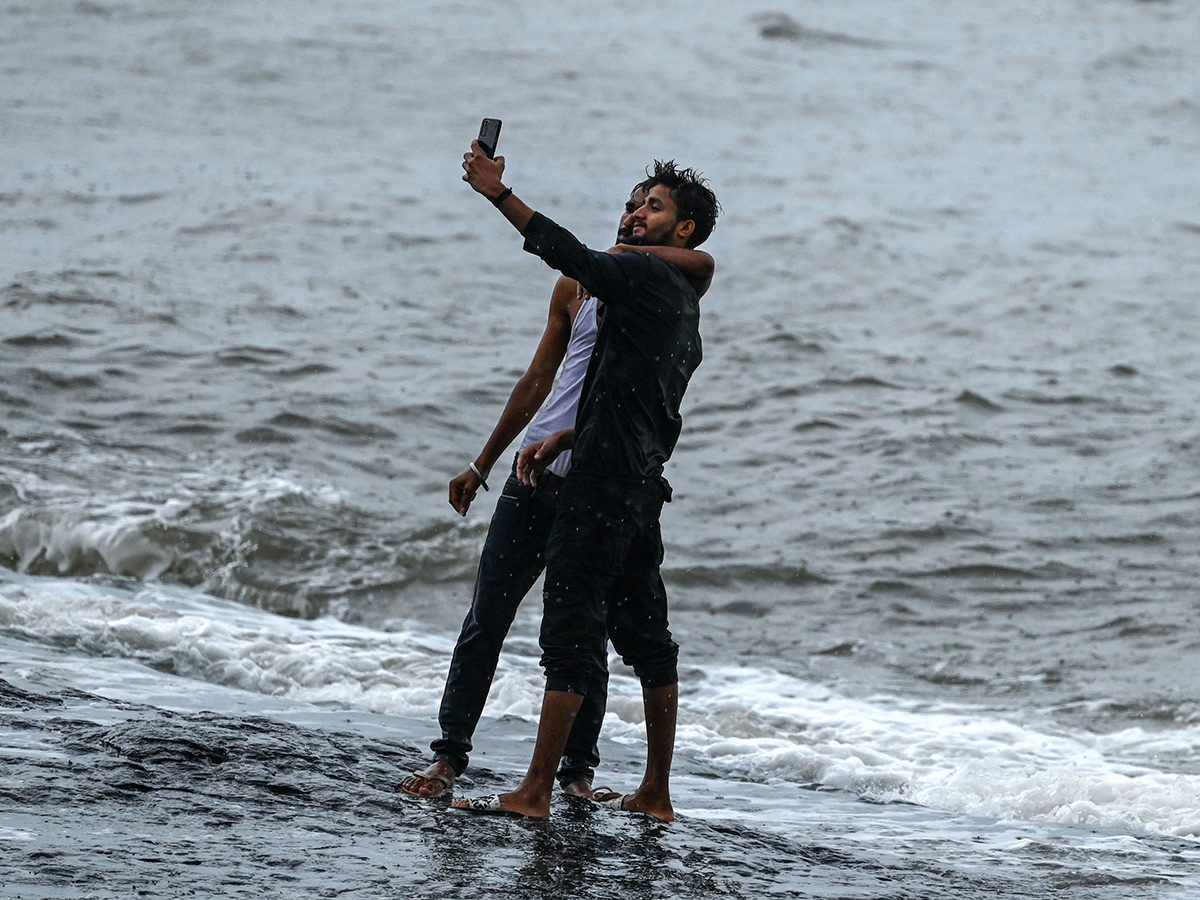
(615, 802)
(489, 804)
(445, 782)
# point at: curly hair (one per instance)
(694, 199)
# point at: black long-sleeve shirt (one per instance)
(647, 347)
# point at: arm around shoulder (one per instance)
(697, 266)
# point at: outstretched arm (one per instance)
(527, 395)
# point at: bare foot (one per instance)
(432, 782)
(516, 804)
(640, 802)
(579, 788)
(658, 807)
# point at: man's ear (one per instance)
(684, 229)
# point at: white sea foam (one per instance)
(760, 724)
(200, 637)
(744, 722)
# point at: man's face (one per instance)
(625, 227)
(654, 222)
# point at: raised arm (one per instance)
(603, 274)
(527, 397)
(483, 175)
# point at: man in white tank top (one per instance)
(514, 552)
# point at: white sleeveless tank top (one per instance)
(560, 408)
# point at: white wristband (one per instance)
(479, 475)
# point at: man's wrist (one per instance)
(501, 197)
(475, 471)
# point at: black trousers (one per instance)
(514, 555)
(602, 580)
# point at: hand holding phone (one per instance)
(489, 136)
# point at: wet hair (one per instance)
(694, 199)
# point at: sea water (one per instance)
(931, 553)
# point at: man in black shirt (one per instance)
(604, 552)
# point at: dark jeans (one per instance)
(602, 580)
(514, 555)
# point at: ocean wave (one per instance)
(222, 643)
(742, 575)
(759, 724)
(38, 541)
(21, 295)
(779, 26)
(749, 723)
(265, 541)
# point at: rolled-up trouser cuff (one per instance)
(567, 683)
(457, 763)
(572, 770)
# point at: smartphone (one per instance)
(489, 136)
